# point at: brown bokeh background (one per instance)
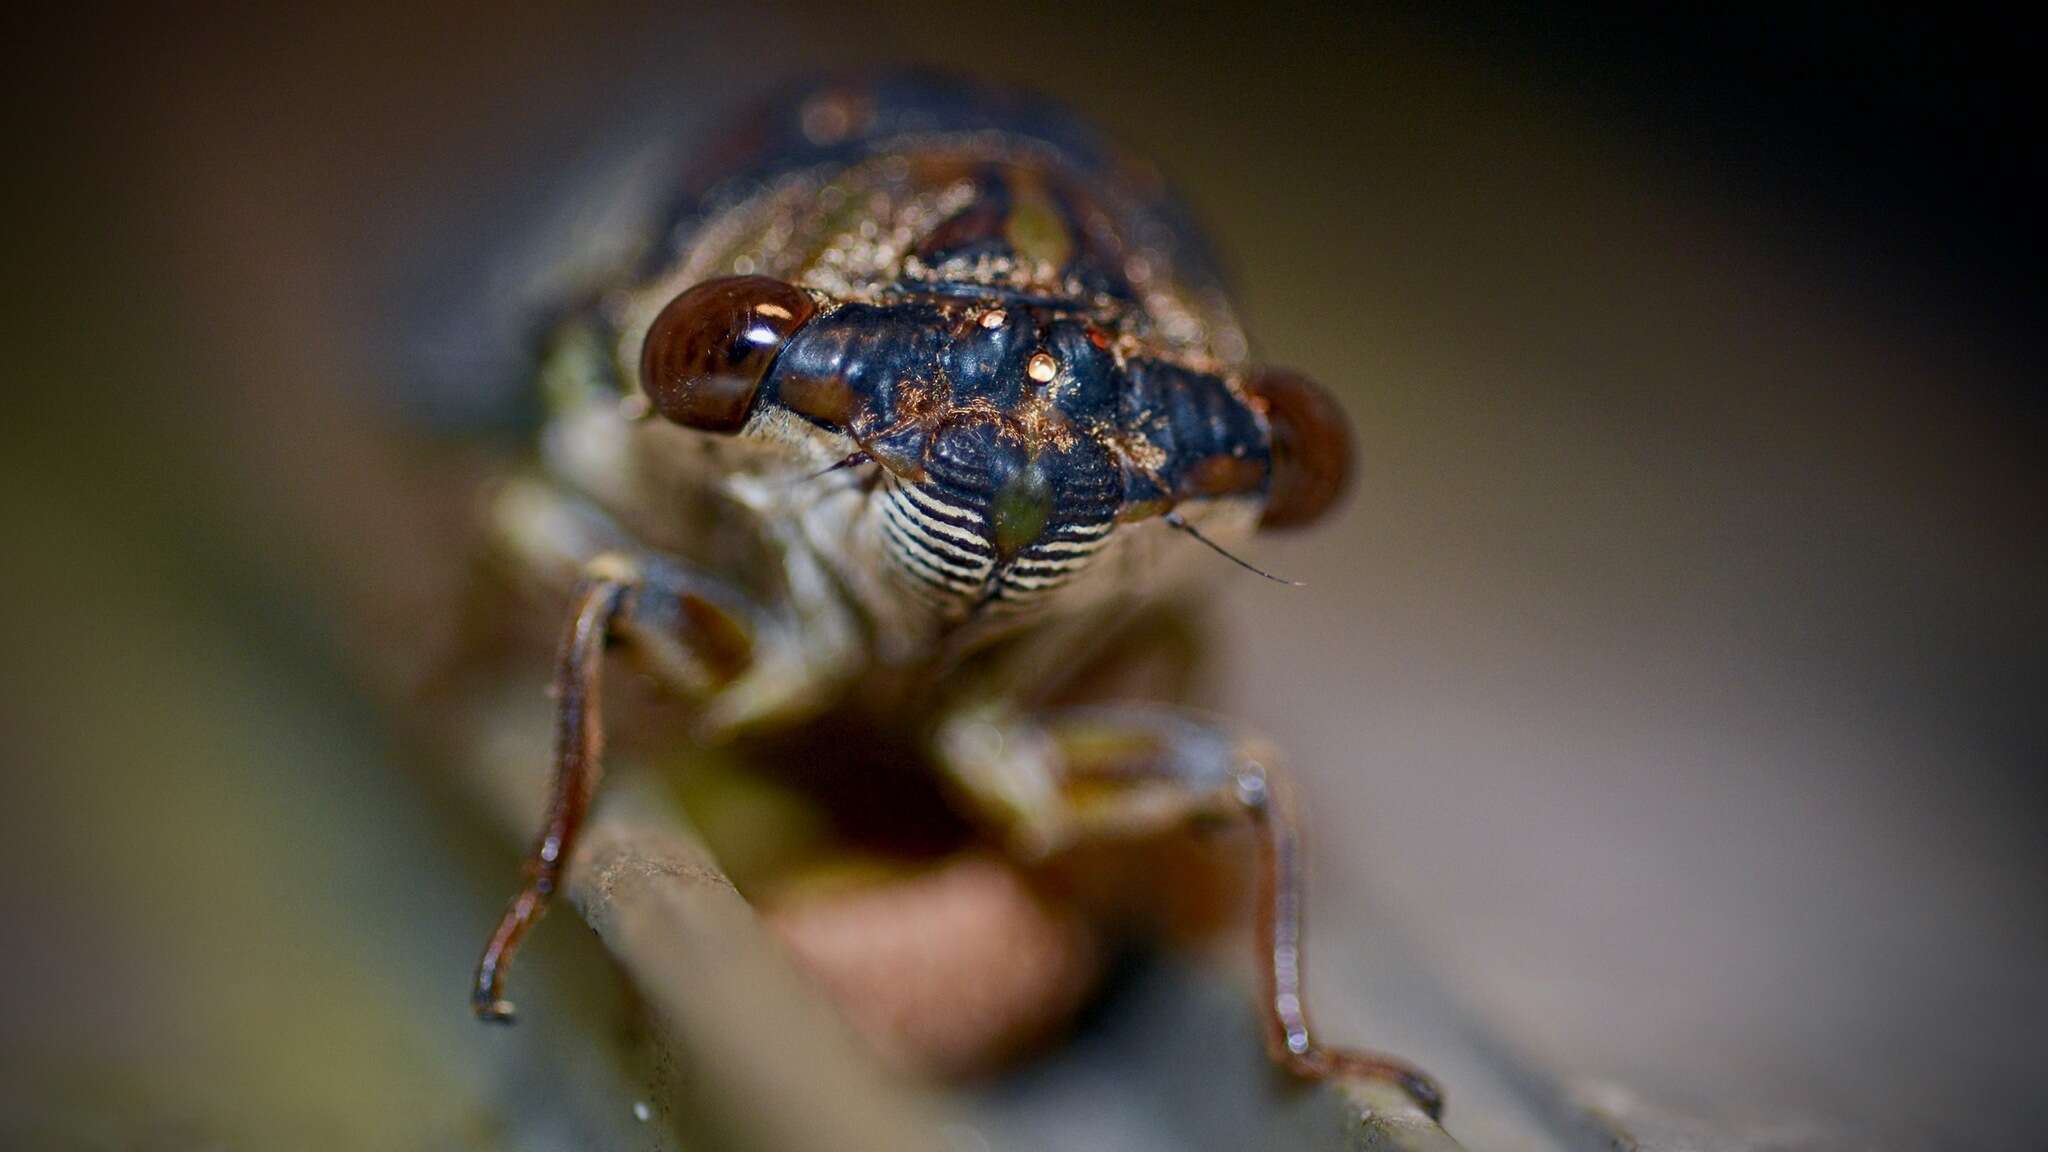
(1671, 690)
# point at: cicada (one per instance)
(904, 415)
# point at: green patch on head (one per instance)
(1021, 508)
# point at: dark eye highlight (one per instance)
(708, 350)
(1311, 448)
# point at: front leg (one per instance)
(696, 634)
(1132, 770)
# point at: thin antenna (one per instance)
(853, 461)
(1176, 520)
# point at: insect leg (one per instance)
(1131, 770)
(674, 618)
(1267, 796)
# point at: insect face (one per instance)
(1012, 437)
(996, 519)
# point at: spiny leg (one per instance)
(1129, 770)
(578, 740)
(1267, 796)
(682, 622)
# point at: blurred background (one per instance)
(1671, 691)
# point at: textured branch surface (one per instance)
(762, 1062)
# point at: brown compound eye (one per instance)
(707, 351)
(1311, 447)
